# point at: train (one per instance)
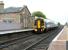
(43, 25)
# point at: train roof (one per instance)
(38, 18)
(50, 21)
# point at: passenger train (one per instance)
(42, 25)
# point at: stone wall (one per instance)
(10, 26)
(20, 19)
(10, 17)
(26, 18)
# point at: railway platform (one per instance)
(60, 42)
(14, 31)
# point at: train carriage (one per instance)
(41, 25)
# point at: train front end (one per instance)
(39, 25)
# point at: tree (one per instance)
(66, 23)
(39, 14)
(58, 23)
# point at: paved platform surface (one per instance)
(60, 42)
(13, 31)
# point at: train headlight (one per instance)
(35, 29)
(41, 30)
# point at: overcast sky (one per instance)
(56, 10)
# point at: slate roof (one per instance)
(12, 9)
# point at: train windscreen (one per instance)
(39, 22)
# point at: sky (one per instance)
(56, 10)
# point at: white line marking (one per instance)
(58, 35)
(5, 32)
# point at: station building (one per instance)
(16, 15)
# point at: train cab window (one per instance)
(35, 23)
(42, 22)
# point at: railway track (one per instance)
(25, 43)
(9, 37)
(43, 45)
(29, 39)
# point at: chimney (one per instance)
(1, 6)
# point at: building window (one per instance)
(7, 21)
(4, 21)
(21, 18)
